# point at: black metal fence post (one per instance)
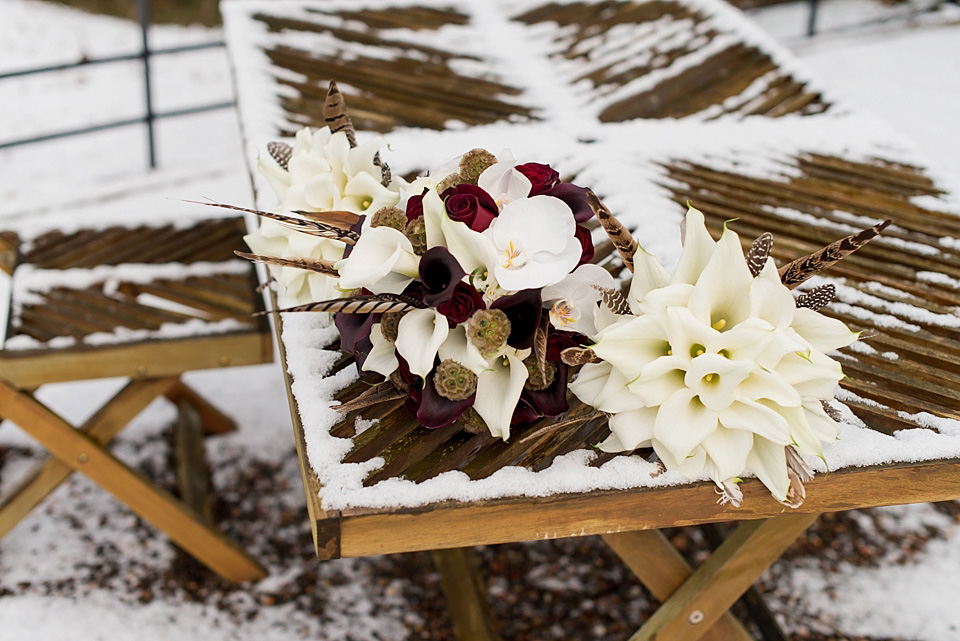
(143, 9)
(812, 19)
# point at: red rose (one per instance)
(415, 207)
(465, 301)
(471, 205)
(542, 178)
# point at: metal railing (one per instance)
(150, 115)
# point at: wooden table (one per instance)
(650, 104)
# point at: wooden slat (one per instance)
(457, 524)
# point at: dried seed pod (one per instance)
(389, 217)
(488, 330)
(539, 377)
(416, 233)
(390, 325)
(473, 163)
(450, 181)
(454, 381)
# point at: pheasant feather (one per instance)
(759, 252)
(281, 152)
(312, 227)
(361, 304)
(614, 300)
(619, 235)
(803, 268)
(335, 114)
(324, 267)
(382, 393)
(817, 298)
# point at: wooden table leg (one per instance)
(723, 578)
(156, 506)
(102, 427)
(466, 595)
(662, 569)
(213, 420)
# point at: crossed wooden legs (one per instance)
(694, 604)
(84, 450)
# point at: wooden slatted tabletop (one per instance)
(128, 298)
(651, 104)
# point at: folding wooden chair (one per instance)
(150, 329)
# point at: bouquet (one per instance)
(470, 291)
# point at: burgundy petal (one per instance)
(551, 401)
(576, 199)
(523, 309)
(439, 273)
(586, 244)
(435, 410)
(354, 328)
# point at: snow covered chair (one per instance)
(650, 104)
(146, 303)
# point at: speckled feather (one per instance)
(803, 268)
(573, 356)
(324, 267)
(613, 299)
(818, 297)
(619, 235)
(759, 252)
(335, 114)
(281, 152)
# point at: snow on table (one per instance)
(649, 104)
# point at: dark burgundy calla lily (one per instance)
(551, 401)
(435, 410)
(354, 329)
(415, 206)
(523, 309)
(576, 199)
(559, 340)
(356, 228)
(471, 205)
(439, 272)
(524, 413)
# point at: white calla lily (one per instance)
(383, 261)
(420, 334)
(498, 391)
(383, 356)
(718, 370)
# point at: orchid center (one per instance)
(513, 257)
(564, 313)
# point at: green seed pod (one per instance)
(538, 379)
(454, 381)
(488, 330)
(390, 325)
(473, 163)
(450, 181)
(416, 233)
(389, 217)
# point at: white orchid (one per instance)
(503, 181)
(718, 370)
(324, 173)
(574, 301)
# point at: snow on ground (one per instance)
(84, 568)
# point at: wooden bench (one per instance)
(148, 304)
(652, 104)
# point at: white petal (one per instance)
(631, 344)
(715, 379)
(382, 261)
(458, 348)
(648, 274)
(419, 336)
(720, 297)
(690, 466)
(683, 422)
(812, 374)
(769, 299)
(277, 176)
(634, 428)
(383, 356)
(542, 223)
(764, 384)
(822, 426)
(823, 333)
(769, 462)
(498, 390)
(728, 450)
(698, 246)
(503, 182)
(602, 387)
(757, 418)
(659, 379)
